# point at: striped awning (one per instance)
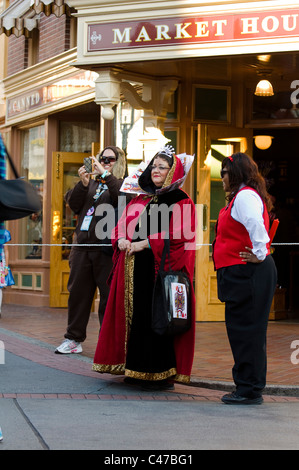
(21, 17)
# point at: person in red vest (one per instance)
(246, 274)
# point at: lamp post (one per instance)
(126, 122)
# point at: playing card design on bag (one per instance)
(179, 300)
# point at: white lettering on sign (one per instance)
(250, 25)
(286, 22)
(202, 29)
(219, 27)
(121, 37)
(143, 35)
(162, 32)
(181, 31)
(233, 27)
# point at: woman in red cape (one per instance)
(127, 345)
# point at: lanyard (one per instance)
(100, 190)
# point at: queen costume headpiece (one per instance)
(131, 183)
(167, 150)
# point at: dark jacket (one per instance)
(80, 199)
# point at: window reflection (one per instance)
(33, 170)
(70, 178)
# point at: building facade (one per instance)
(92, 72)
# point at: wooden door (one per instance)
(65, 167)
(214, 143)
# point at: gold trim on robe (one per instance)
(117, 369)
(150, 375)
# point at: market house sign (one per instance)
(271, 24)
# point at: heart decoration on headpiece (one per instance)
(231, 158)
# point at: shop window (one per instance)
(70, 178)
(172, 135)
(27, 280)
(211, 103)
(33, 169)
(276, 107)
(173, 113)
(219, 150)
(38, 282)
(77, 136)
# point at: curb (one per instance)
(217, 385)
(271, 389)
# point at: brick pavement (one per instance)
(212, 362)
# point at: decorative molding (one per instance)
(49, 7)
(133, 98)
(21, 18)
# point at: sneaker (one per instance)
(69, 346)
(1, 435)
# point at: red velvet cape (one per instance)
(110, 355)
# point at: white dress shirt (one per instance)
(248, 209)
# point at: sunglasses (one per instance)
(222, 173)
(107, 159)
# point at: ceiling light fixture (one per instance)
(264, 88)
(263, 142)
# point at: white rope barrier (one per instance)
(109, 244)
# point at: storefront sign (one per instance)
(174, 31)
(49, 94)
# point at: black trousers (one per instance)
(248, 291)
(88, 270)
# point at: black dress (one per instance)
(149, 356)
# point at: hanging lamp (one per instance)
(264, 88)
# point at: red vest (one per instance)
(232, 237)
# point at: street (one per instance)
(43, 408)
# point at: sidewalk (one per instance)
(212, 361)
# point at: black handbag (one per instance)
(171, 304)
(18, 198)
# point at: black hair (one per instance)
(168, 159)
(243, 169)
